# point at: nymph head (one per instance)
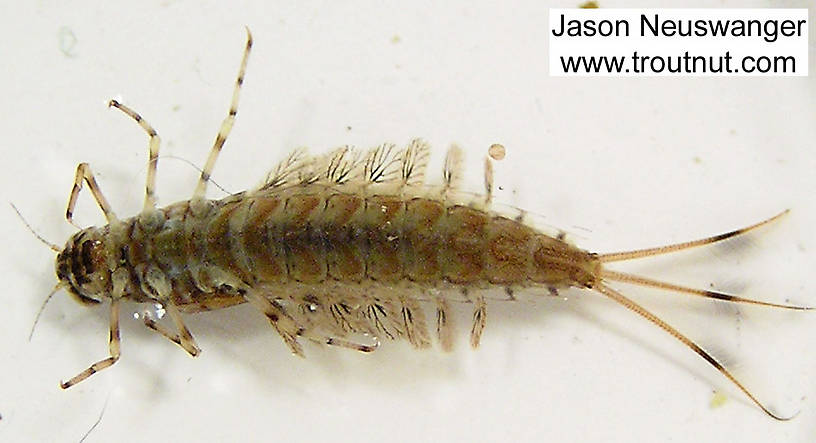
(82, 267)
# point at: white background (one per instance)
(618, 163)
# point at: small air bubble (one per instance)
(159, 310)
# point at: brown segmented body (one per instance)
(314, 238)
(302, 240)
(336, 248)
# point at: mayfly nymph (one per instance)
(333, 248)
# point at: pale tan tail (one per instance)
(609, 275)
(660, 250)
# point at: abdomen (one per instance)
(315, 238)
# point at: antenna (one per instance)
(53, 247)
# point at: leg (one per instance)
(281, 321)
(340, 342)
(113, 345)
(314, 323)
(83, 172)
(226, 126)
(182, 338)
(187, 340)
(159, 282)
(151, 323)
(152, 163)
(351, 345)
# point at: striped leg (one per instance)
(152, 163)
(182, 338)
(286, 326)
(83, 172)
(114, 344)
(340, 342)
(159, 282)
(226, 126)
